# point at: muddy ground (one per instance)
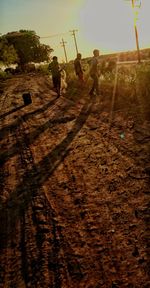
(74, 189)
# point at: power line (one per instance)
(54, 35)
(75, 41)
(63, 45)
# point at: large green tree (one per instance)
(27, 46)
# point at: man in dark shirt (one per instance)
(78, 68)
(56, 74)
(94, 73)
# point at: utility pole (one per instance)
(136, 34)
(63, 45)
(75, 41)
(135, 28)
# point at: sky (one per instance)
(107, 25)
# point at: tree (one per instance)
(28, 47)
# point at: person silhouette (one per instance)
(94, 72)
(54, 67)
(78, 69)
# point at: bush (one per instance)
(43, 69)
(143, 78)
(3, 75)
(143, 88)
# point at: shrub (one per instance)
(3, 75)
(143, 88)
(43, 69)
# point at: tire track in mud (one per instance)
(40, 264)
(5, 101)
(28, 190)
(28, 266)
(35, 262)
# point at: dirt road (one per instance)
(74, 191)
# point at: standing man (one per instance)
(78, 68)
(56, 74)
(94, 73)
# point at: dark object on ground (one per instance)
(27, 98)
(18, 70)
(10, 70)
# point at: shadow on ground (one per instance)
(35, 177)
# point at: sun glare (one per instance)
(107, 25)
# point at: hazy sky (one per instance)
(103, 24)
